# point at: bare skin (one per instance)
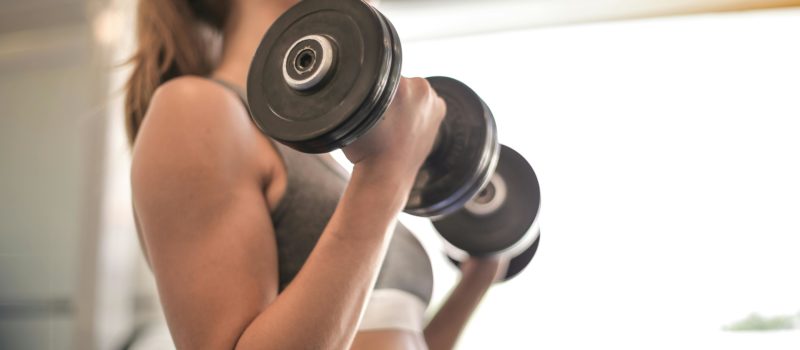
(477, 275)
(204, 179)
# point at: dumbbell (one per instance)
(324, 74)
(326, 71)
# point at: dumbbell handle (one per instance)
(463, 156)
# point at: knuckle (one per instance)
(425, 84)
(403, 89)
(422, 86)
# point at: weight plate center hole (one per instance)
(486, 194)
(490, 198)
(305, 60)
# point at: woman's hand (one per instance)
(402, 140)
(477, 275)
(484, 271)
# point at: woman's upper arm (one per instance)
(199, 196)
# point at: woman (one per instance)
(227, 218)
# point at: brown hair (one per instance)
(170, 43)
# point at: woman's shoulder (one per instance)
(198, 109)
(194, 122)
(196, 98)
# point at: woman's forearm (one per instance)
(443, 330)
(321, 307)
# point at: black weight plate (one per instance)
(464, 157)
(386, 86)
(320, 120)
(520, 262)
(493, 233)
(381, 103)
(517, 263)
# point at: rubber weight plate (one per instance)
(323, 74)
(499, 220)
(464, 156)
(517, 263)
(520, 262)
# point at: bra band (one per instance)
(393, 309)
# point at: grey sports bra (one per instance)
(315, 184)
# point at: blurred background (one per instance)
(664, 134)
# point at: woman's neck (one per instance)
(248, 22)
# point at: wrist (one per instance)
(482, 271)
(478, 281)
(383, 186)
(386, 173)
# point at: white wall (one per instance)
(667, 152)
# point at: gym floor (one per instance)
(665, 145)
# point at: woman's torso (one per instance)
(312, 186)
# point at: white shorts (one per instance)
(393, 309)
